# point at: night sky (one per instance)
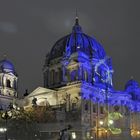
(29, 29)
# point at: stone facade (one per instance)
(78, 91)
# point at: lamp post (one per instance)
(137, 135)
(106, 131)
(97, 121)
(6, 116)
(107, 109)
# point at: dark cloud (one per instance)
(28, 30)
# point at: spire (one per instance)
(76, 21)
(76, 18)
(132, 78)
(77, 28)
(4, 56)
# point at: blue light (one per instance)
(94, 70)
(7, 66)
(93, 59)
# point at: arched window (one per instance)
(53, 77)
(15, 84)
(86, 106)
(60, 73)
(68, 75)
(74, 75)
(8, 83)
(101, 110)
(46, 78)
(56, 77)
(50, 77)
(94, 108)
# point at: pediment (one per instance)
(40, 90)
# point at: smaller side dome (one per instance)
(131, 84)
(7, 66)
(132, 88)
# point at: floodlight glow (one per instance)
(9, 113)
(73, 135)
(3, 130)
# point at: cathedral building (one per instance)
(78, 84)
(78, 89)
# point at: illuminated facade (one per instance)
(8, 83)
(78, 90)
(79, 70)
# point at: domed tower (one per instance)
(132, 87)
(8, 83)
(77, 57)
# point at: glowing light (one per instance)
(138, 132)
(101, 122)
(18, 108)
(73, 135)
(35, 135)
(111, 121)
(9, 113)
(112, 117)
(3, 129)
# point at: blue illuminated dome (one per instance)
(7, 66)
(132, 88)
(77, 41)
(131, 84)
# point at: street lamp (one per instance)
(101, 123)
(137, 134)
(6, 116)
(3, 130)
(106, 131)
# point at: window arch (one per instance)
(60, 73)
(68, 75)
(86, 106)
(8, 83)
(15, 84)
(73, 75)
(53, 77)
(50, 77)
